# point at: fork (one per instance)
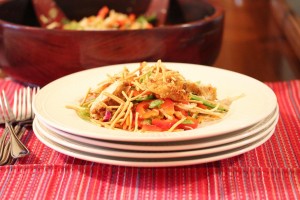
(22, 108)
(18, 149)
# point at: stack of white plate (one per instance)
(250, 122)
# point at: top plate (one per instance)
(256, 104)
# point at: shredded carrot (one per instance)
(103, 12)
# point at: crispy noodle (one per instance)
(151, 98)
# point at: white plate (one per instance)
(149, 154)
(171, 146)
(161, 162)
(259, 101)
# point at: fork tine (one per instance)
(28, 103)
(24, 103)
(6, 112)
(32, 96)
(9, 110)
(35, 91)
(2, 115)
(15, 104)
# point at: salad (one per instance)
(108, 19)
(151, 98)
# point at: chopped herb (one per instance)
(207, 103)
(187, 121)
(156, 103)
(145, 98)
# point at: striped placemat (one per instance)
(271, 171)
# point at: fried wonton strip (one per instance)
(138, 85)
(133, 73)
(121, 114)
(124, 107)
(85, 97)
(117, 99)
(176, 124)
(163, 71)
(129, 77)
(125, 95)
(126, 122)
(103, 104)
(102, 86)
(116, 113)
(140, 95)
(130, 120)
(112, 107)
(158, 68)
(144, 75)
(127, 112)
(129, 106)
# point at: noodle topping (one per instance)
(151, 98)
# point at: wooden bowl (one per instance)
(31, 54)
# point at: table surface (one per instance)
(254, 45)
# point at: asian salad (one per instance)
(107, 19)
(151, 98)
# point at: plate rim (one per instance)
(151, 155)
(180, 145)
(146, 163)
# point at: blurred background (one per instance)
(262, 35)
(261, 38)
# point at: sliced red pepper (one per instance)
(141, 107)
(136, 92)
(200, 105)
(164, 124)
(149, 127)
(168, 106)
(183, 112)
(144, 112)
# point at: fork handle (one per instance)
(2, 143)
(18, 149)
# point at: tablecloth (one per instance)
(270, 171)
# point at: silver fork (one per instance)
(18, 149)
(22, 109)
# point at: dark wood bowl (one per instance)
(31, 54)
